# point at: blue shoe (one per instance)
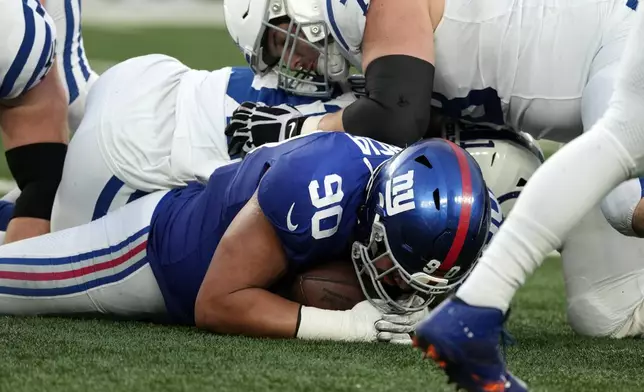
(464, 341)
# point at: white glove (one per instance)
(396, 328)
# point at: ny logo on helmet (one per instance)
(399, 194)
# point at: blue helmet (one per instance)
(425, 222)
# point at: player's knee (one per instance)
(620, 204)
(587, 319)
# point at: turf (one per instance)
(61, 354)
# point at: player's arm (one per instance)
(234, 299)
(398, 58)
(34, 135)
(33, 114)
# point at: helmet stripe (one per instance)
(466, 208)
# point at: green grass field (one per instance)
(62, 355)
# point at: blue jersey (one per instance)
(309, 188)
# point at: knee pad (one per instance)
(619, 205)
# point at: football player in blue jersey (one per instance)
(207, 255)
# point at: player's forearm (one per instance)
(38, 116)
(35, 136)
(331, 122)
(260, 313)
(250, 312)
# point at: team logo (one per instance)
(399, 194)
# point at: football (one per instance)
(332, 285)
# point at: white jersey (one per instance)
(26, 48)
(523, 64)
(152, 123)
(188, 143)
(73, 67)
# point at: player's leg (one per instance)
(609, 153)
(86, 175)
(560, 193)
(122, 147)
(619, 205)
(73, 66)
(97, 268)
(604, 273)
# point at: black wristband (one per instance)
(37, 169)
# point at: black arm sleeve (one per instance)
(396, 109)
(37, 169)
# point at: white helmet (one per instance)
(507, 158)
(247, 22)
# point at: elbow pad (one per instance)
(619, 205)
(396, 108)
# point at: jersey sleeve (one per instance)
(347, 20)
(27, 46)
(310, 205)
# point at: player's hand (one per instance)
(397, 328)
(254, 124)
(369, 323)
(362, 322)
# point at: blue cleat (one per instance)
(464, 341)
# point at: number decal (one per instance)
(453, 271)
(316, 222)
(327, 205)
(478, 106)
(632, 4)
(431, 266)
(496, 218)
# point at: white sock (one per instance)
(566, 187)
(557, 196)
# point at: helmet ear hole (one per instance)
(437, 199)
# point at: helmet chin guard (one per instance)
(424, 288)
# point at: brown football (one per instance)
(332, 285)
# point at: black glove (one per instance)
(254, 124)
